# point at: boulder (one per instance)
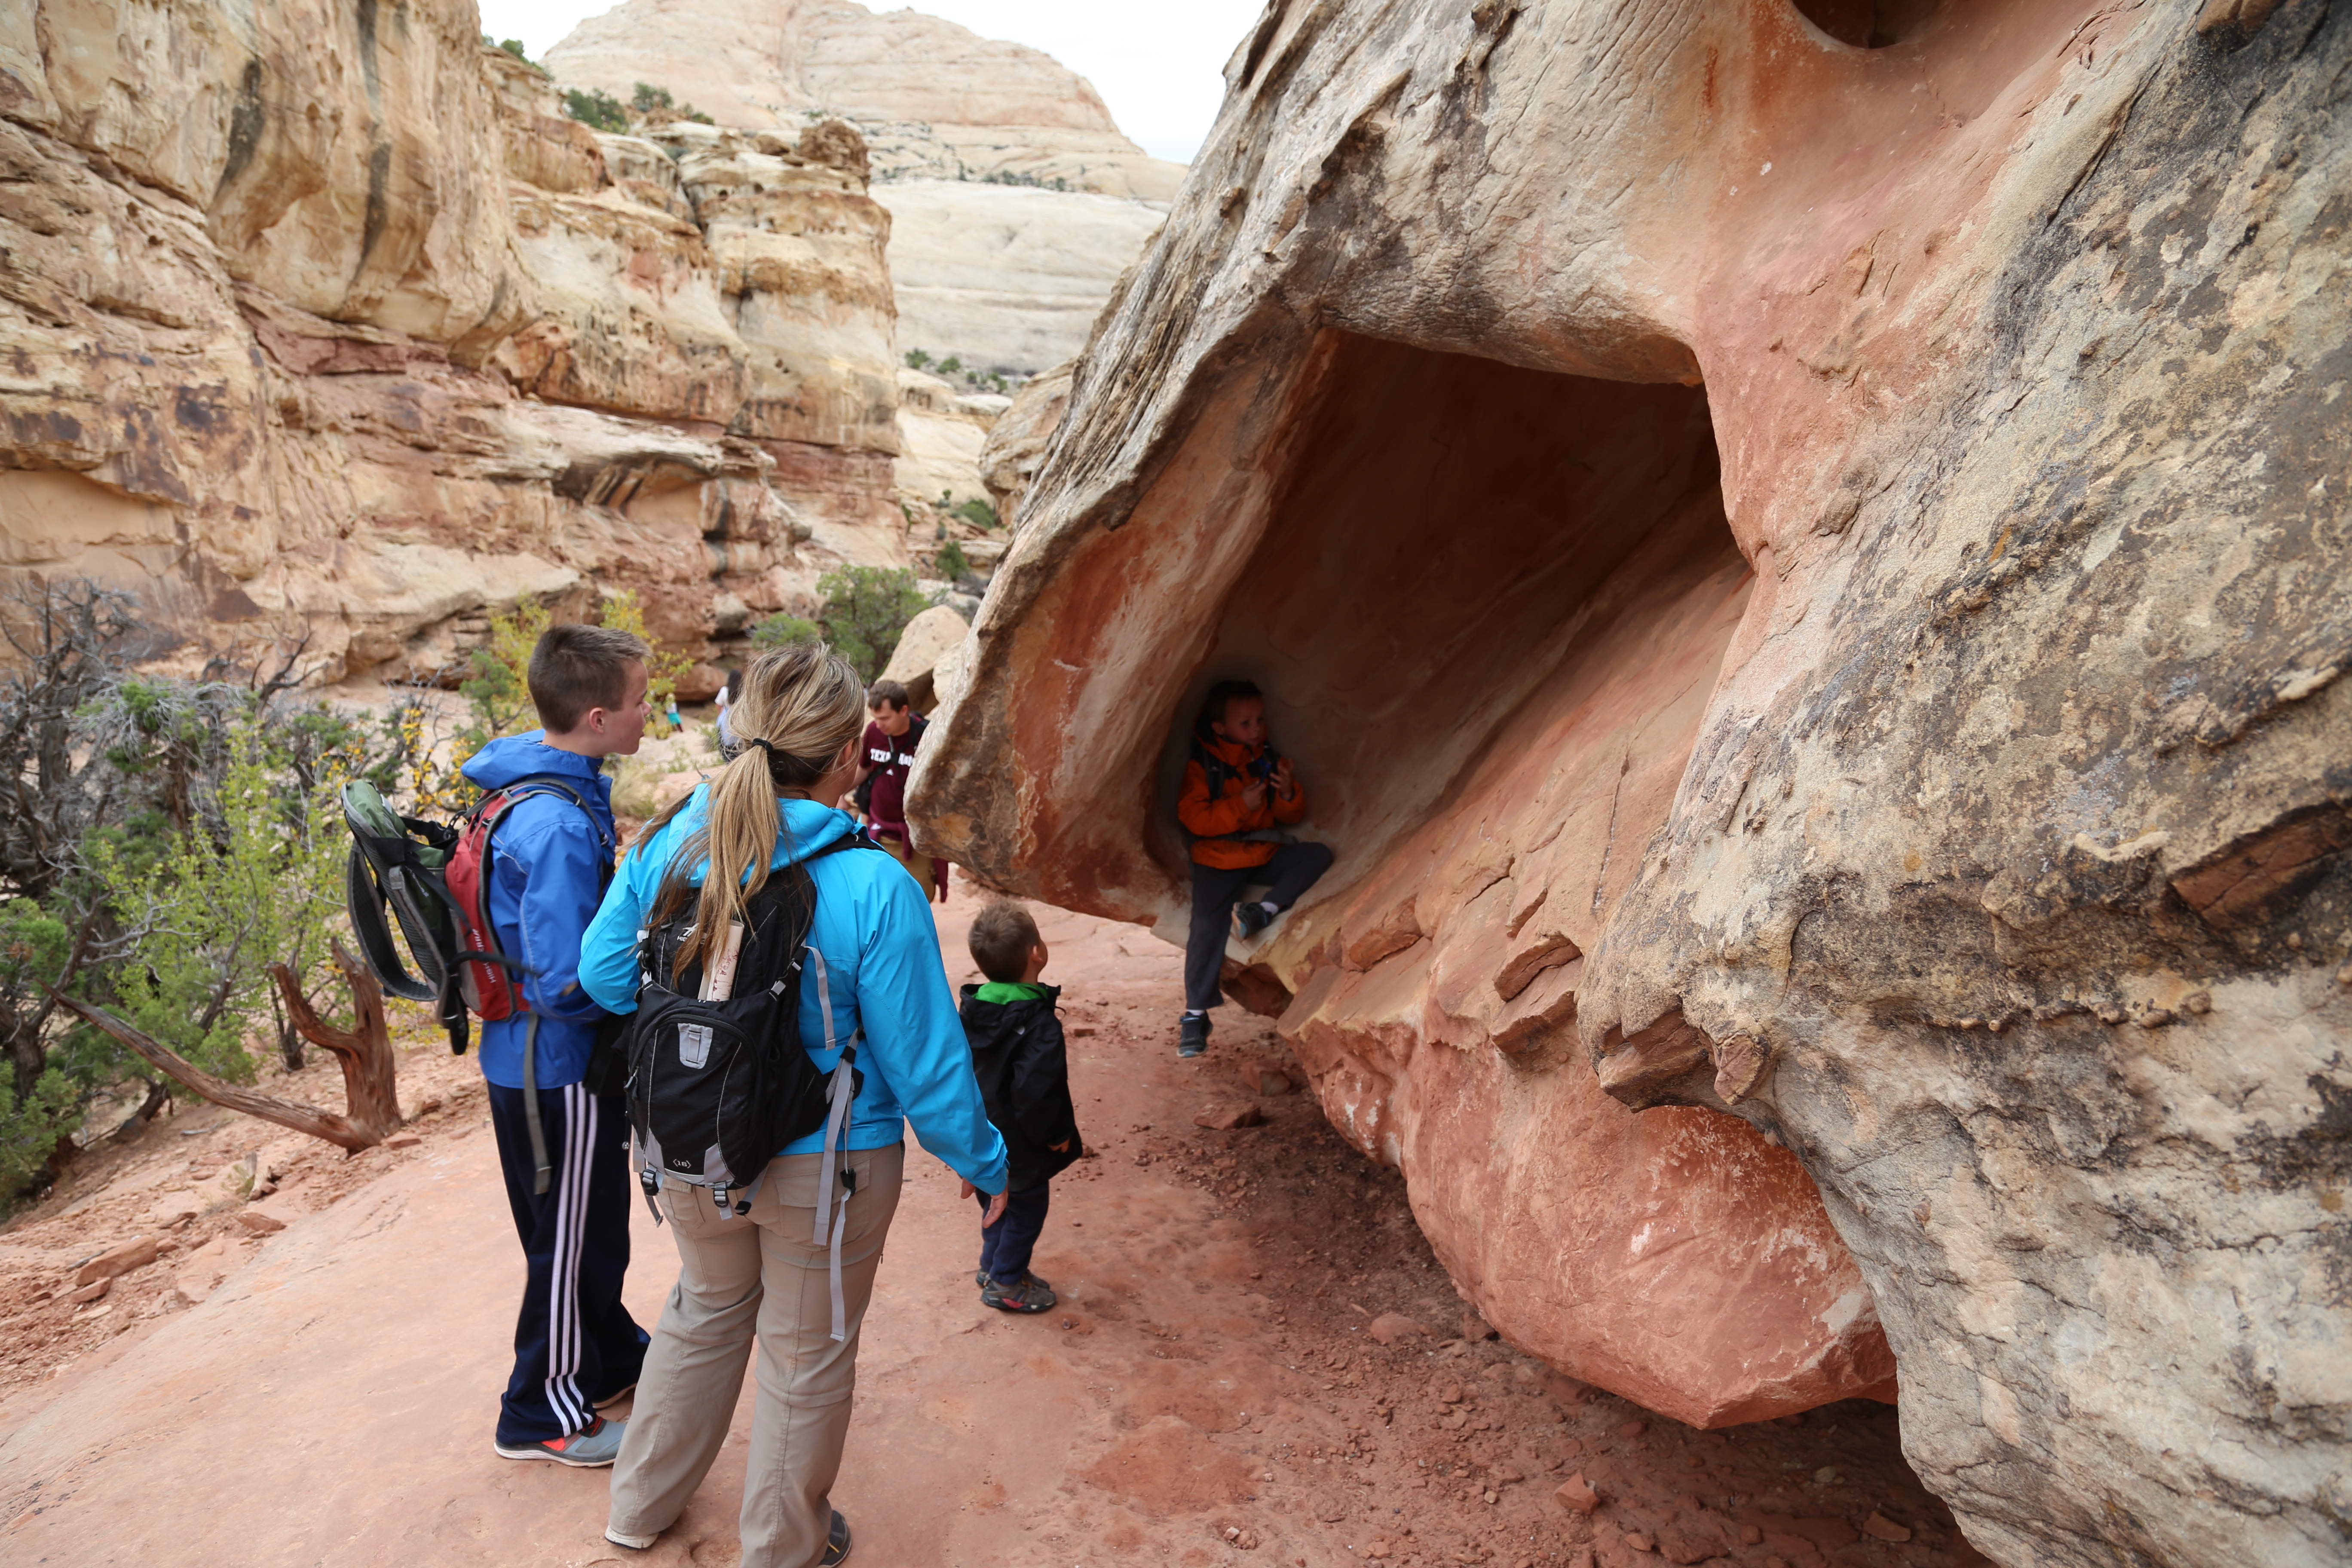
(1777, 596)
(119, 1260)
(928, 639)
(1015, 448)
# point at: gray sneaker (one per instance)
(594, 1446)
(980, 1278)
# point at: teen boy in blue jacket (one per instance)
(576, 1347)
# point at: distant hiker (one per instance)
(1024, 1068)
(550, 855)
(1238, 795)
(791, 1256)
(726, 695)
(888, 758)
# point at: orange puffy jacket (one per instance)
(1209, 820)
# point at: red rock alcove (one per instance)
(1488, 606)
(1446, 528)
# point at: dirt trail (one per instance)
(1209, 1391)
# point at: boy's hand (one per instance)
(1254, 794)
(1285, 783)
(1061, 1148)
(995, 1205)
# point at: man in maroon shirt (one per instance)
(889, 755)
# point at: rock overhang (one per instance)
(2015, 342)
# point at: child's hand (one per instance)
(1254, 794)
(1061, 1148)
(1284, 781)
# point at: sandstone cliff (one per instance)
(1800, 551)
(1006, 277)
(323, 322)
(935, 101)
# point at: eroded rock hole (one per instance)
(1870, 24)
(1453, 533)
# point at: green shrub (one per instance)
(917, 359)
(866, 608)
(978, 512)
(161, 842)
(596, 108)
(645, 97)
(951, 563)
(784, 631)
(951, 365)
(210, 913)
(514, 48)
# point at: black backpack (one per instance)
(715, 1088)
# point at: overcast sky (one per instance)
(1156, 65)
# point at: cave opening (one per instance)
(1450, 530)
(1870, 24)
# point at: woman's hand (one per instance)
(995, 1205)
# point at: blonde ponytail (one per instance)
(796, 708)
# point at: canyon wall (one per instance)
(935, 101)
(1800, 551)
(1005, 277)
(322, 322)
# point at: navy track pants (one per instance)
(575, 1344)
(1005, 1247)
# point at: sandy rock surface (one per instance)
(1005, 277)
(935, 99)
(346, 331)
(1211, 1388)
(1812, 585)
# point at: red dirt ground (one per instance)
(1209, 1391)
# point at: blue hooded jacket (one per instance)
(881, 953)
(548, 861)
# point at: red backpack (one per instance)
(487, 979)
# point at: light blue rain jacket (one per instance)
(882, 958)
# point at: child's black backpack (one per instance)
(715, 1088)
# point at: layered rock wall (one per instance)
(935, 101)
(323, 322)
(1005, 277)
(1815, 589)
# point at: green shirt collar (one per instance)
(1010, 990)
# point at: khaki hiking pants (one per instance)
(762, 1275)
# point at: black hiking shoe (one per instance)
(1193, 1035)
(1251, 919)
(1026, 1294)
(836, 1541)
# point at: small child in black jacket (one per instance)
(1024, 1069)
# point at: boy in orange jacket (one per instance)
(1238, 795)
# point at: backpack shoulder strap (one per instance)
(1213, 768)
(522, 789)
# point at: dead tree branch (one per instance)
(370, 1068)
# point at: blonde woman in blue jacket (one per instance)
(796, 717)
